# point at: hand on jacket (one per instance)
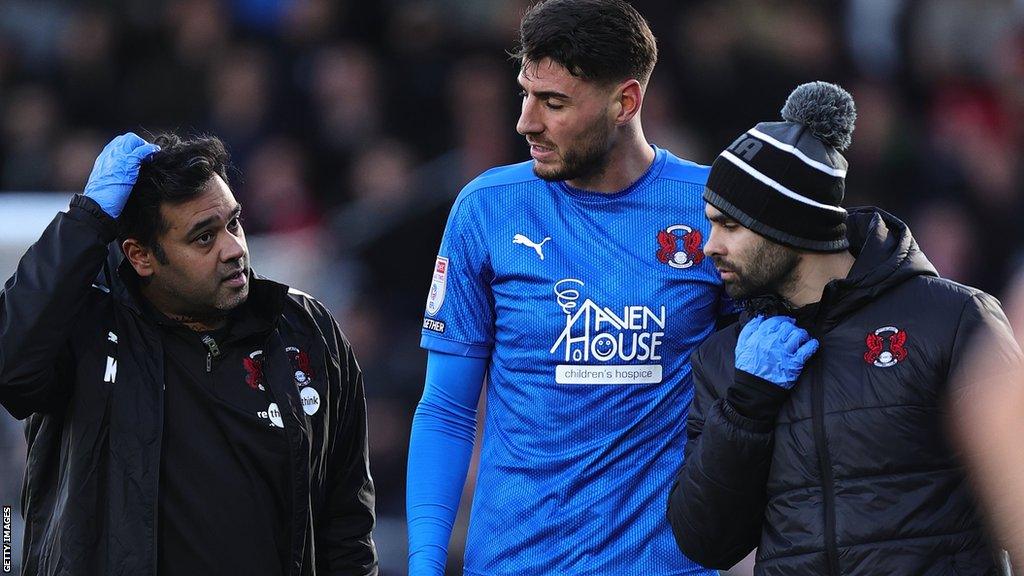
(115, 172)
(774, 349)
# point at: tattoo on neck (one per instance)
(198, 324)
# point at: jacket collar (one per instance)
(886, 255)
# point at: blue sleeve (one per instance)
(443, 431)
(459, 315)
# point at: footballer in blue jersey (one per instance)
(577, 286)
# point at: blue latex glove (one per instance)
(774, 349)
(115, 172)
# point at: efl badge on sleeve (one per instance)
(887, 346)
(679, 246)
(437, 287)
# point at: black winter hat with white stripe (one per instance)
(786, 180)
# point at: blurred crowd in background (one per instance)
(353, 125)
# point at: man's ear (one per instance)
(630, 96)
(141, 258)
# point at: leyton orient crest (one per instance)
(887, 346)
(679, 246)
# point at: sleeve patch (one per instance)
(437, 287)
(433, 325)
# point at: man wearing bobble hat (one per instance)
(818, 433)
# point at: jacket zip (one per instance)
(212, 351)
(824, 460)
(825, 466)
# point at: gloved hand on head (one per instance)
(115, 171)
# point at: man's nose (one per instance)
(233, 249)
(528, 122)
(713, 246)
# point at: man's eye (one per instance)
(522, 94)
(552, 106)
(234, 223)
(204, 238)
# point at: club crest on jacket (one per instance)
(887, 346)
(254, 370)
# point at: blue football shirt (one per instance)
(588, 306)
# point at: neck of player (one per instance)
(630, 156)
(813, 273)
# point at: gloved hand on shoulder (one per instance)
(115, 171)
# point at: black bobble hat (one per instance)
(786, 180)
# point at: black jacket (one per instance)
(90, 493)
(855, 474)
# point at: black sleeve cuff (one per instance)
(755, 398)
(86, 209)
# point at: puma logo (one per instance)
(520, 239)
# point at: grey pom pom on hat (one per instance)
(786, 180)
(826, 109)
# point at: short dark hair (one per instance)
(597, 40)
(178, 172)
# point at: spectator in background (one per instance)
(345, 94)
(476, 91)
(30, 122)
(241, 98)
(74, 157)
(885, 153)
(86, 79)
(277, 188)
(951, 239)
(170, 59)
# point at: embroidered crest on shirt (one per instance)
(537, 246)
(679, 246)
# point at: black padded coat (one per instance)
(856, 475)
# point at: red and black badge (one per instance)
(680, 246)
(254, 369)
(887, 346)
(300, 365)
